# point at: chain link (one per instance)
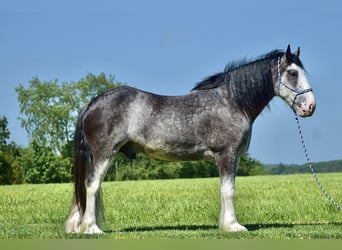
(338, 206)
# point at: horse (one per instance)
(213, 121)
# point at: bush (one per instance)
(10, 173)
(42, 165)
(249, 167)
(146, 168)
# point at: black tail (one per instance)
(83, 158)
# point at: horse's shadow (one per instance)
(255, 227)
(169, 228)
(250, 227)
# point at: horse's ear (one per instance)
(297, 52)
(288, 53)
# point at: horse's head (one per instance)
(292, 85)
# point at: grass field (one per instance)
(271, 207)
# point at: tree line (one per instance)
(333, 166)
(48, 112)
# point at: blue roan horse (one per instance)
(213, 121)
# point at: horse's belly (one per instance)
(178, 154)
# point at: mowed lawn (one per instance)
(271, 207)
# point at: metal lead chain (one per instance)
(338, 206)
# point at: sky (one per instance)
(166, 47)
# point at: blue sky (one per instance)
(167, 46)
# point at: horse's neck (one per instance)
(251, 91)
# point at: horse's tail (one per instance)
(83, 159)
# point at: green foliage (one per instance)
(42, 165)
(4, 132)
(10, 173)
(334, 166)
(271, 207)
(43, 114)
(249, 167)
(48, 109)
(48, 112)
(144, 168)
(91, 86)
(200, 169)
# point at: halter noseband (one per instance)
(297, 91)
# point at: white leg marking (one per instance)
(228, 221)
(73, 222)
(89, 223)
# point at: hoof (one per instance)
(72, 226)
(72, 230)
(94, 229)
(236, 227)
(73, 222)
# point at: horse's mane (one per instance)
(219, 79)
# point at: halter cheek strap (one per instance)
(297, 91)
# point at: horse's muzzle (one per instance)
(306, 110)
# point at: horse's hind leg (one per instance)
(90, 221)
(73, 222)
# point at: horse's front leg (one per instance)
(228, 221)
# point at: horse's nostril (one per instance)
(311, 107)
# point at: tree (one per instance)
(10, 172)
(4, 132)
(48, 112)
(48, 109)
(42, 165)
(249, 166)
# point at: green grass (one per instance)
(271, 207)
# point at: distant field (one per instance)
(271, 207)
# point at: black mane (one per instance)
(248, 82)
(218, 79)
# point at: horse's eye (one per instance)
(293, 73)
